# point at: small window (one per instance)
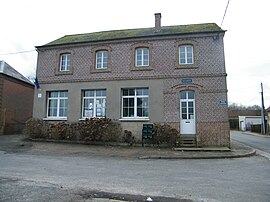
(142, 57)
(102, 59)
(57, 104)
(135, 103)
(94, 103)
(186, 54)
(65, 62)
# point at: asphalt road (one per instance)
(258, 142)
(45, 177)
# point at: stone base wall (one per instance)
(208, 133)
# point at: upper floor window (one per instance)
(93, 103)
(186, 54)
(142, 57)
(57, 104)
(102, 59)
(65, 62)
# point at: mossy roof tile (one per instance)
(135, 33)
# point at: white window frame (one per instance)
(144, 62)
(102, 63)
(186, 54)
(58, 99)
(95, 97)
(65, 62)
(135, 104)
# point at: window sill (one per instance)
(55, 119)
(59, 73)
(134, 119)
(186, 66)
(107, 70)
(142, 68)
(83, 119)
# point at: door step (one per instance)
(188, 142)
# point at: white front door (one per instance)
(187, 113)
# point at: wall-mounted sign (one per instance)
(39, 95)
(186, 80)
(223, 102)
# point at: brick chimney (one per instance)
(157, 22)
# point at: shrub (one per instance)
(164, 133)
(128, 137)
(59, 131)
(99, 129)
(35, 128)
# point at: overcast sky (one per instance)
(29, 23)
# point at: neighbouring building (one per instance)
(16, 100)
(163, 74)
(246, 122)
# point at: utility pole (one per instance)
(263, 115)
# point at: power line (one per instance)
(19, 52)
(225, 13)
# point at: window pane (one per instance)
(53, 94)
(139, 91)
(89, 93)
(125, 102)
(145, 112)
(189, 61)
(125, 92)
(131, 112)
(139, 102)
(184, 104)
(88, 108)
(183, 95)
(63, 94)
(52, 111)
(184, 110)
(63, 108)
(182, 49)
(131, 91)
(98, 107)
(145, 102)
(190, 94)
(98, 93)
(139, 112)
(145, 56)
(189, 49)
(184, 116)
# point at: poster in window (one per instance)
(88, 113)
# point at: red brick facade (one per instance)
(16, 103)
(207, 74)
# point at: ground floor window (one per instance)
(57, 104)
(135, 103)
(93, 103)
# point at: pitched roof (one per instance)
(6, 69)
(135, 33)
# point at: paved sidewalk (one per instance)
(255, 134)
(17, 143)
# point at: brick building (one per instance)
(164, 74)
(16, 100)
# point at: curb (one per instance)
(248, 154)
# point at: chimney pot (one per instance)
(157, 22)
